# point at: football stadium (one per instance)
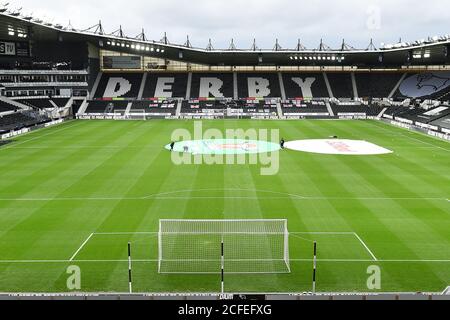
(148, 168)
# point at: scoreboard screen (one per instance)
(122, 62)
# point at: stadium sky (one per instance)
(355, 20)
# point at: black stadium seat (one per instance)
(212, 85)
(119, 85)
(258, 85)
(5, 107)
(165, 85)
(304, 85)
(18, 121)
(376, 85)
(341, 85)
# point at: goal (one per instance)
(249, 246)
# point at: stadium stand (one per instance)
(348, 108)
(5, 107)
(442, 122)
(426, 116)
(196, 106)
(267, 85)
(376, 85)
(258, 85)
(45, 103)
(60, 102)
(19, 120)
(305, 85)
(76, 106)
(305, 108)
(394, 110)
(164, 107)
(374, 110)
(410, 113)
(165, 85)
(105, 106)
(255, 106)
(212, 85)
(119, 85)
(341, 85)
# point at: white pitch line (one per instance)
(154, 233)
(331, 233)
(294, 260)
(81, 247)
(13, 145)
(412, 138)
(291, 197)
(122, 233)
(365, 246)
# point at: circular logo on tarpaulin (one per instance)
(224, 146)
(337, 146)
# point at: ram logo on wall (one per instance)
(425, 84)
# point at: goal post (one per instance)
(249, 246)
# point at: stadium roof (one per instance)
(433, 51)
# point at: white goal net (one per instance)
(249, 246)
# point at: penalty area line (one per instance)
(81, 247)
(365, 246)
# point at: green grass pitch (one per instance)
(76, 194)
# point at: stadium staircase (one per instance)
(394, 90)
(179, 106)
(330, 109)
(142, 88)
(53, 104)
(128, 109)
(189, 86)
(282, 88)
(83, 107)
(280, 110)
(96, 84)
(327, 83)
(354, 86)
(382, 113)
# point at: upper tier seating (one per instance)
(5, 107)
(258, 85)
(212, 85)
(45, 103)
(341, 85)
(267, 85)
(376, 85)
(305, 85)
(123, 85)
(165, 85)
